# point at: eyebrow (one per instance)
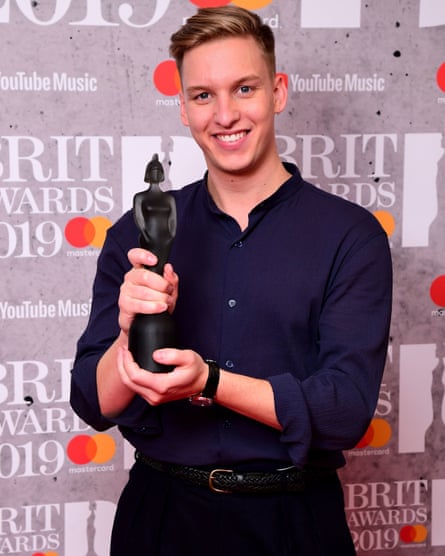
(245, 79)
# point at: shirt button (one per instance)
(230, 364)
(227, 424)
(232, 303)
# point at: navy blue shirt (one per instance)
(301, 298)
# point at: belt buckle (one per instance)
(212, 486)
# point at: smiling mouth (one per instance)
(232, 138)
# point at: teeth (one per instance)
(232, 137)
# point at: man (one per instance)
(286, 287)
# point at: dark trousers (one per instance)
(159, 515)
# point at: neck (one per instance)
(237, 195)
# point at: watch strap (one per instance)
(211, 385)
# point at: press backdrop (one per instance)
(87, 95)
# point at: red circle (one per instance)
(440, 77)
(367, 437)
(437, 291)
(81, 449)
(79, 232)
(407, 533)
(166, 78)
(210, 3)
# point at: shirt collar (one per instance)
(288, 189)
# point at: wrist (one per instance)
(208, 393)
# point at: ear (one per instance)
(280, 92)
(184, 117)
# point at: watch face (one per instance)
(200, 400)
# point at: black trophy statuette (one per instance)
(155, 216)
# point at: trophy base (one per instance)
(148, 333)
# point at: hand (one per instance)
(144, 291)
(188, 377)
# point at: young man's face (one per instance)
(229, 100)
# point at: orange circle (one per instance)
(79, 231)
(382, 433)
(251, 4)
(106, 448)
(421, 533)
(166, 78)
(386, 220)
(440, 77)
(437, 291)
(81, 449)
(101, 225)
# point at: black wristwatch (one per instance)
(205, 398)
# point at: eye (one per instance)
(246, 91)
(202, 96)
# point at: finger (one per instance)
(173, 280)
(148, 279)
(139, 257)
(121, 367)
(176, 357)
(167, 356)
(139, 378)
(170, 274)
(141, 300)
(188, 376)
(153, 387)
(142, 292)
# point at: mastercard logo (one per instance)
(413, 533)
(378, 434)
(437, 290)
(386, 220)
(83, 232)
(99, 448)
(166, 78)
(45, 554)
(440, 77)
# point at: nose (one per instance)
(226, 111)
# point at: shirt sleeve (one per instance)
(100, 333)
(331, 409)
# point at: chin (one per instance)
(235, 165)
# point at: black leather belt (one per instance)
(228, 481)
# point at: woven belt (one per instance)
(228, 481)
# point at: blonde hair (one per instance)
(215, 23)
